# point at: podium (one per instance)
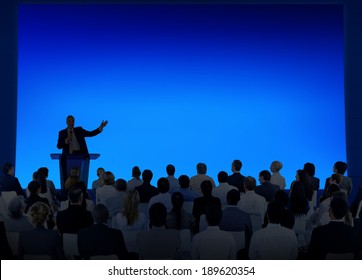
(67, 162)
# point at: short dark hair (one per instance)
(136, 172)
(177, 200)
(274, 212)
(309, 168)
(201, 168)
(121, 185)
(184, 181)
(237, 164)
(100, 214)
(282, 197)
(341, 167)
(265, 174)
(147, 175)
(44, 170)
(74, 194)
(339, 207)
(157, 214)
(170, 169)
(6, 167)
(213, 215)
(250, 183)
(163, 185)
(206, 187)
(233, 197)
(34, 186)
(222, 177)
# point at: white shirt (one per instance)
(164, 198)
(174, 184)
(103, 193)
(273, 243)
(195, 182)
(252, 203)
(279, 180)
(213, 244)
(222, 190)
(134, 182)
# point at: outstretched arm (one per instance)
(103, 124)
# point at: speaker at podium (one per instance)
(67, 162)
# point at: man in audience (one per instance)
(223, 188)
(195, 181)
(100, 181)
(266, 188)
(336, 236)
(164, 196)
(8, 182)
(99, 239)
(115, 202)
(189, 195)
(237, 179)
(253, 204)
(274, 242)
(213, 243)
(146, 190)
(74, 218)
(174, 184)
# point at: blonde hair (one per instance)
(131, 202)
(276, 166)
(39, 213)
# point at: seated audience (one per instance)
(237, 179)
(179, 218)
(146, 190)
(223, 188)
(174, 184)
(99, 239)
(276, 178)
(274, 242)
(8, 182)
(164, 196)
(107, 190)
(16, 221)
(266, 189)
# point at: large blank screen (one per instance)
(183, 84)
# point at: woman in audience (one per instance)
(130, 219)
(276, 177)
(303, 177)
(16, 221)
(40, 240)
(179, 218)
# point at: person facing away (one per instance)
(174, 183)
(99, 239)
(40, 240)
(310, 169)
(237, 179)
(8, 182)
(136, 180)
(266, 188)
(188, 194)
(276, 177)
(274, 242)
(213, 243)
(34, 190)
(179, 218)
(115, 203)
(336, 236)
(50, 184)
(146, 190)
(100, 181)
(340, 168)
(72, 139)
(75, 217)
(164, 196)
(195, 181)
(16, 221)
(108, 189)
(223, 188)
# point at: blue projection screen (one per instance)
(183, 84)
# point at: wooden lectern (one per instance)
(67, 162)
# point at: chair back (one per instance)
(13, 240)
(239, 237)
(70, 245)
(8, 196)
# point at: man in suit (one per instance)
(237, 179)
(336, 236)
(74, 218)
(146, 190)
(99, 239)
(72, 141)
(266, 188)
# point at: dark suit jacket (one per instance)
(101, 240)
(335, 237)
(73, 219)
(33, 198)
(237, 180)
(10, 183)
(80, 134)
(200, 206)
(146, 191)
(267, 190)
(41, 241)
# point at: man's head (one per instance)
(222, 177)
(8, 169)
(163, 185)
(157, 214)
(100, 214)
(236, 165)
(338, 208)
(233, 197)
(121, 185)
(340, 167)
(136, 172)
(170, 169)
(206, 188)
(75, 195)
(201, 168)
(264, 176)
(249, 183)
(213, 215)
(184, 181)
(147, 176)
(70, 122)
(274, 212)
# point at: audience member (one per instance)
(164, 196)
(130, 218)
(74, 218)
(107, 190)
(174, 184)
(16, 221)
(223, 188)
(99, 239)
(276, 178)
(179, 218)
(188, 194)
(266, 189)
(115, 203)
(195, 181)
(287, 217)
(158, 242)
(213, 243)
(237, 179)
(146, 190)
(34, 190)
(8, 182)
(274, 242)
(340, 168)
(49, 183)
(100, 181)
(40, 240)
(336, 236)
(202, 203)
(310, 169)
(303, 177)
(135, 181)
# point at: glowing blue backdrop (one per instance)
(183, 84)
